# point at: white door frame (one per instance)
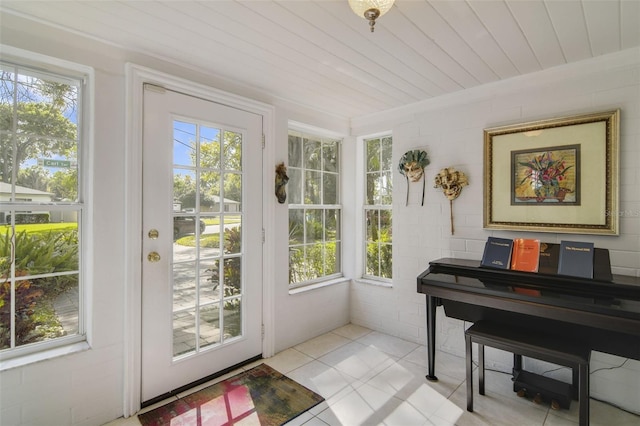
(136, 76)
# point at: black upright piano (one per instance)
(605, 313)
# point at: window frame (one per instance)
(59, 69)
(304, 131)
(375, 207)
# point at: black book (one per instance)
(602, 265)
(549, 257)
(497, 253)
(576, 259)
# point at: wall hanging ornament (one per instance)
(451, 181)
(281, 182)
(412, 166)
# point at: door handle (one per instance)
(153, 257)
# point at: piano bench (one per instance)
(523, 342)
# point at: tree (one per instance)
(34, 121)
(184, 190)
(34, 177)
(230, 159)
(64, 184)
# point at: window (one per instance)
(314, 208)
(41, 218)
(377, 208)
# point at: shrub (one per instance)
(35, 253)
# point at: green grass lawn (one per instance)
(41, 227)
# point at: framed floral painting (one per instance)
(556, 175)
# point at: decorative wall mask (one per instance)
(412, 166)
(281, 182)
(451, 181)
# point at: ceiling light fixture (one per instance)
(370, 9)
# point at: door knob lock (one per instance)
(153, 257)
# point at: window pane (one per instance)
(296, 264)
(295, 151)
(386, 189)
(312, 154)
(330, 157)
(385, 224)
(373, 193)
(372, 225)
(43, 248)
(294, 187)
(386, 261)
(313, 226)
(330, 188)
(372, 266)
(331, 223)
(312, 187)
(296, 226)
(386, 157)
(373, 155)
(332, 258)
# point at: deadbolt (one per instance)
(153, 234)
(153, 256)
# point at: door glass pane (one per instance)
(207, 246)
(209, 325)
(184, 338)
(209, 281)
(232, 277)
(184, 286)
(209, 191)
(232, 240)
(232, 153)
(209, 237)
(232, 318)
(232, 201)
(184, 150)
(210, 148)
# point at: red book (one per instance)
(525, 255)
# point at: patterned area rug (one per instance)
(260, 396)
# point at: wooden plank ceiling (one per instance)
(319, 53)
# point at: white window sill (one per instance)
(315, 286)
(374, 282)
(44, 355)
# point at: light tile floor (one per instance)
(371, 378)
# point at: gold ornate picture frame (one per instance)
(558, 175)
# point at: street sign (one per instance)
(62, 164)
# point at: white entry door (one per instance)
(202, 239)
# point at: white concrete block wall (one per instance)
(451, 130)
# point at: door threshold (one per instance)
(198, 382)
